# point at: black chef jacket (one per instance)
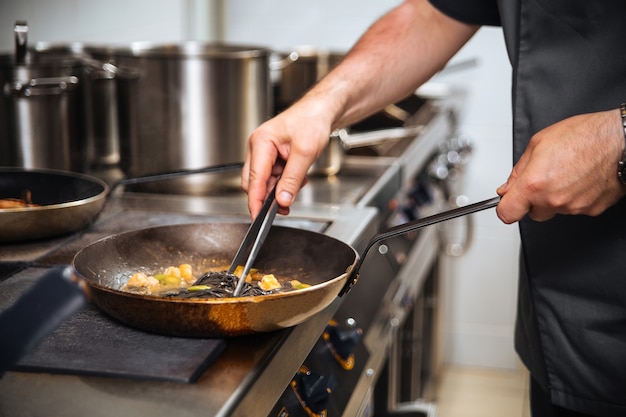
(568, 57)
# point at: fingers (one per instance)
(259, 174)
(293, 178)
(512, 207)
(278, 154)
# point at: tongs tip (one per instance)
(255, 236)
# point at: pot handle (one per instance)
(375, 137)
(107, 70)
(20, 31)
(40, 86)
(285, 62)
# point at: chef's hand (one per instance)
(285, 146)
(568, 168)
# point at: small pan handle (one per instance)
(215, 169)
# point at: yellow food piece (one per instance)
(168, 280)
(199, 287)
(269, 282)
(140, 280)
(172, 271)
(297, 285)
(239, 270)
(181, 276)
(186, 273)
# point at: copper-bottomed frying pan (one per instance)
(328, 265)
(309, 257)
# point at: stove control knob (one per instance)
(313, 390)
(341, 343)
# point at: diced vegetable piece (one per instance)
(297, 285)
(199, 287)
(186, 273)
(141, 280)
(165, 279)
(269, 282)
(172, 271)
(239, 270)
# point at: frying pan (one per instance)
(68, 201)
(101, 269)
(307, 256)
(328, 265)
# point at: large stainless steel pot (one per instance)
(299, 70)
(39, 114)
(296, 72)
(100, 129)
(191, 105)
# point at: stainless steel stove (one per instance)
(261, 374)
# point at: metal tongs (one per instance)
(255, 236)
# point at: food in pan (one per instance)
(180, 282)
(25, 201)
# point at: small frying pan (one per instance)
(68, 201)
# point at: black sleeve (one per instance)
(475, 12)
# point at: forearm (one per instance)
(401, 51)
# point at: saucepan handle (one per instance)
(38, 312)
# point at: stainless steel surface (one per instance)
(100, 127)
(20, 32)
(192, 104)
(393, 276)
(39, 114)
(391, 313)
(331, 159)
(375, 137)
(299, 69)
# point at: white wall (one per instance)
(106, 22)
(481, 285)
(283, 24)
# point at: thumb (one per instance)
(292, 179)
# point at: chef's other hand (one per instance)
(283, 149)
(569, 167)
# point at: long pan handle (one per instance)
(415, 225)
(216, 169)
